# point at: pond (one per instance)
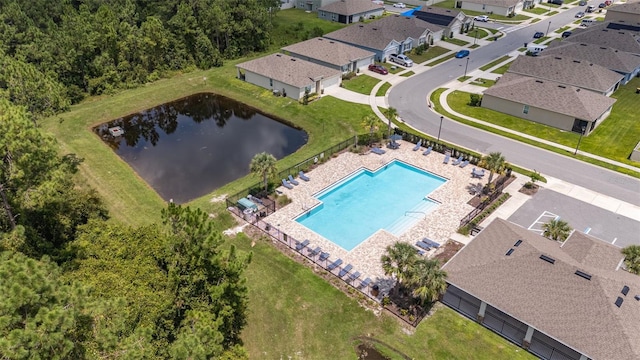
(189, 147)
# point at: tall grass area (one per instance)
(294, 25)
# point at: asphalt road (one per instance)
(409, 98)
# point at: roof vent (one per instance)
(540, 81)
(603, 48)
(517, 243)
(558, 58)
(278, 55)
(583, 274)
(619, 301)
(292, 59)
(637, 297)
(584, 45)
(562, 86)
(375, 28)
(361, 26)
(576, 61)
(548, 259)
(577, 90)
(509, 252)
(625, 290)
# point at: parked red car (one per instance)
(379, 69)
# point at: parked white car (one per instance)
(401, 60)
(399, 5)
(483, 18)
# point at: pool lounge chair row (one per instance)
(427, 244)
(291, 181)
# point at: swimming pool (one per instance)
(392, 198)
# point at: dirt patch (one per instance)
(446, 252)
(367, 351)
(529, 190)
(218, 199)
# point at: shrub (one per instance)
(475, 99)
(282, 200)
(348, 76)
(386, 301)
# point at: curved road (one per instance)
(409, 98)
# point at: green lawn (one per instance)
(478, 33)
(407, 74)
(456, 41)
(435, 100)
(495, 62)
(513, 19)
(441, 60)
(562, 29)
(620, 131)
(362, 84)
(432, 52)
(464, 78)
(296, 314)
(538, 10)
(294, 25)
(541, 40)
(383, 89)
(502, 69)
(483, 82)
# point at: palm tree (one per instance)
(398, 261)
(556, 229)
(427, 280)
(390, 114)
(264, 165)
(632, 258)
(494, 162)
(370, 122)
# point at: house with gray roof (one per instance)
(568, 71)
(288, 76)
(312, 5)
(393, 34)
(566, 301)
(350, 11)
(628, 13)
(623, 37)
(498, 7)
(453, 21)
(615, 60)
(548, 102)
(331, 53)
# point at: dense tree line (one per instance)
(76, 286)
(53, 53)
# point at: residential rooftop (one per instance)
(288, 70)
(437, 15)
(351, 7)
(608, 57)
(566, 70)
(380, 33)
(572, 297)
(623, 37)
(552, 96)
(328, 51)
(498, 3)
(630, 7)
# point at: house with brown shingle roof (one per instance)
(288, 76)
(568, 71)
(395, 34)
(548, 102)
(331, 53)
(566, 300)
(615, 60)
(312, 5)
(628, 13)
(498, 7)
(350, 11)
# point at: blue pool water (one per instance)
(392, 198)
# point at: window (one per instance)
(525, 110)
(271, 82)
(323, 14)
(483, 6)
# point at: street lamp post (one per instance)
(584, 128)
(465, 68)
(440, 128)
(475, 34)
(548, 26)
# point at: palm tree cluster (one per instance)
(495, 163)
(556, 229)
(264, 165)
(423, 277)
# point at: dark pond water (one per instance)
(189, 147)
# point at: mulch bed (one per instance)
(529, 191)
(450, 248)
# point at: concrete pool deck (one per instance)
(438, 225)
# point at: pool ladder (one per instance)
(415, 212)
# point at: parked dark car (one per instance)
(602, 5)
(556, 2)
(538, 35)
(582, 3)
(566, 34)
(379, 69)
(462, 53)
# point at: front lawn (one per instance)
(502, 69)
(407, 74)
(537, 10)
(432, 52)
(383, 89)
(495, 62)
(362, 84)
(620, 131)
(483, 82)
(478, 33)
(456, 41)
